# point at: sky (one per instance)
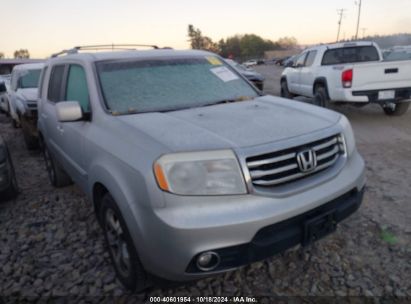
(47, 26)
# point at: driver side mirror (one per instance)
(68, 111)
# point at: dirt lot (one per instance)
(51, 244)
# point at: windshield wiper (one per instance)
(242, 98)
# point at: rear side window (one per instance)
(350, 55)
(310, 58)
(55, 83)
(77, 89)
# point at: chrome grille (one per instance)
(280, 167)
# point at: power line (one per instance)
(358, 20)
(341, 14)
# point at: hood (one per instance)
(241, 124)
(27, 94)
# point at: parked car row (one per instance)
(353, 73)
(191, 169)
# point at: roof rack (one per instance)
(98, 47)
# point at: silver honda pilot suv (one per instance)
(191, 170)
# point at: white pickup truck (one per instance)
(352, 73)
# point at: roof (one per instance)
(342, 45)
(97, 56)
(28, 66)
(19, 61)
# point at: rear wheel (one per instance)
(397, 109)
(58, 177)
(284, 90)
(123, 253)
(321, 98)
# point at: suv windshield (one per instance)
(29, 79)
(350, 55)
(169, 84)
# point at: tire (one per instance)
(123, 253)
(57, 176)
(400, 109)
(31, 141)
(13, 190)
(321, 98)
(284, 90)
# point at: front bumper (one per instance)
(241, 227)
(278, 237)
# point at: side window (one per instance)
(56, 79)
(77, 89)
(300, 60)
(310, 58)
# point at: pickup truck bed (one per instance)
(350, 73)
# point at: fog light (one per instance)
(208, 261)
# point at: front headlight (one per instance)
(200, 173)
(348, 135)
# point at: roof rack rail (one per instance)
(98, 47)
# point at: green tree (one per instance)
(22, 53)
(1, 55)
(200, 42)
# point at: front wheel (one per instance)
(123, 253)
(284, 90)
(397, 109)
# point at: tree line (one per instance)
(241, 47)
(18, 54)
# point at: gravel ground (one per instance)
(52, 245)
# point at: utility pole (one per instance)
(358, 20)
(341, 14)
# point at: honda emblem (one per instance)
(307, 160)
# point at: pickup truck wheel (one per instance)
(58, 177)
(123, 253)
(284, 90)
(398, 109)
(321, 98)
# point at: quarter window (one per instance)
(77, 89)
